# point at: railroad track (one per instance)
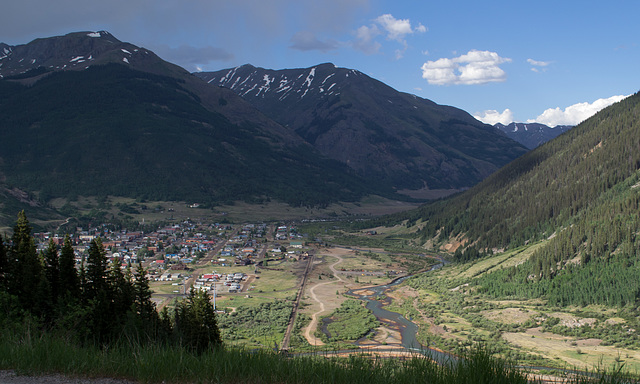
(296, 304)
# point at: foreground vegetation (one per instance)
(30, 352)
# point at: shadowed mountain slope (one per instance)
(396, 138)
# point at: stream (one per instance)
(408, 330)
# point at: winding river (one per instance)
(408, 329)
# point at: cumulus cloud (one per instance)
(365, 39)
(574, 114)
(396, 29)
(307, 41)
(393, 29)
(537, 65)
(493, 117)
(474, 67)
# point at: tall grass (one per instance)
(31, 352)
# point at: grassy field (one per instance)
(452, 315)
(240, 212)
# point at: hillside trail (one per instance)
(309, 330)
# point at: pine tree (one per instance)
(52, 270)
(96, 270)
(195, 322)
(145, 308)
(69, 280)
(26, 275)
(98, 294)
(122, 290)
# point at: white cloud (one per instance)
(538, 65)
(492, 117)
(394, 29)
(474, 67)
(574, 114)
(365, 39)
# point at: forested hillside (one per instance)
(587, 172)
(579, 194)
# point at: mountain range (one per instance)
(396, 138)
(88, 115)
(532, 135)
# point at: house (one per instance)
(295, 244)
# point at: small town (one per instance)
(192, 254)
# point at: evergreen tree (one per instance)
(52, 270)
(26, 275)
(96, 270)
(98, 294)
(69, 281)
(195, 322)
(145, 308)
(122, 289)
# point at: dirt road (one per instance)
(320, 298)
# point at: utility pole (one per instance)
(215, 286)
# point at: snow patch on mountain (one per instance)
(267, 84)
(5, 53)
(310, 77)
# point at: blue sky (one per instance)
(555, 62)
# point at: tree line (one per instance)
(99, 302)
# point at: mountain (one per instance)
(78, 51)
(575, 198)
(532, 135)
(548, 188)
(86, 114)
(395, 138)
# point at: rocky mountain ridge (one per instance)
(397, 138)
(532, 135)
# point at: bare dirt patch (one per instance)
(322, 294)
(581, 353)
(510, 315)
(572, 321)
